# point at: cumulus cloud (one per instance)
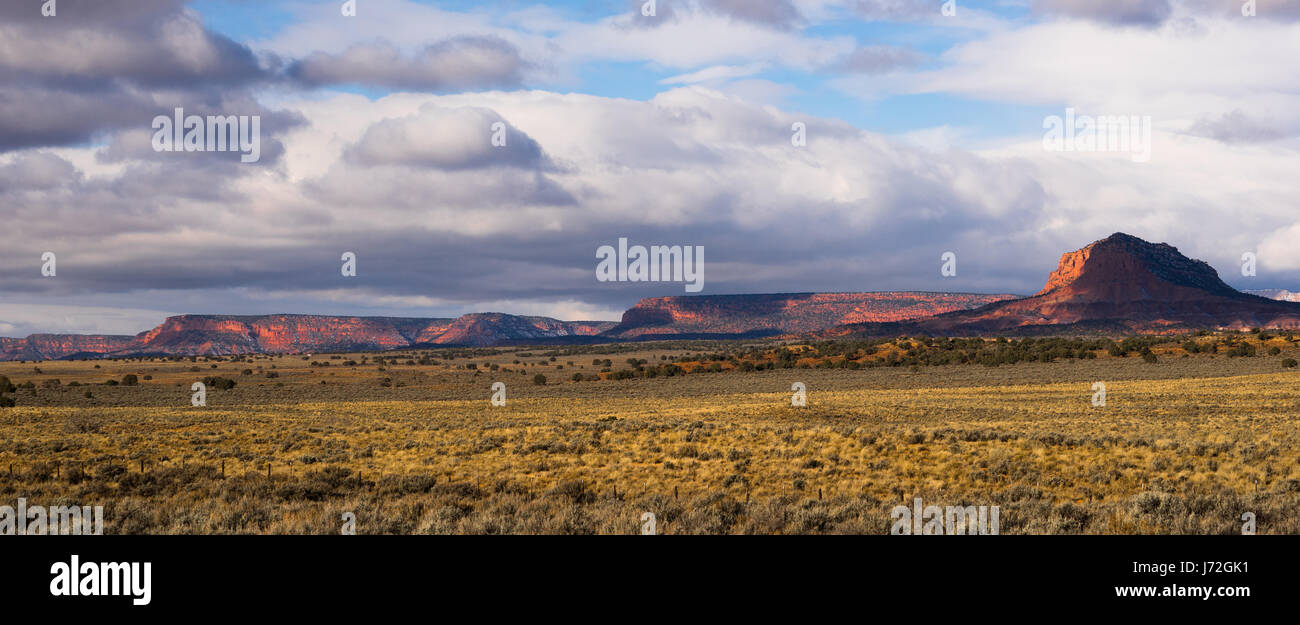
(449, 139)
(852, 210)
(877, 59)
(1279, 253)
(101, 66)
(775, 13)
(1170, 75)
(691, 166)
(139, 45)
(1152, 13)
(894, 10)
(1286, 10)
(1238, 127)
(1122, 12)
(468, 62)
(37, 171)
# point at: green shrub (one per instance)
(218, 382)
(1289, 363)
(539, 380)
(130, 379)
(1245, 350)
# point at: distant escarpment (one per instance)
(785, 313)
(660, 318)
(1282, 295)
(222, 335)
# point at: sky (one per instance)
(806, 145)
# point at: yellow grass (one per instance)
(722, 452)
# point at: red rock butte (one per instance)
(1120, 285)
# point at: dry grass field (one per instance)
(1185, 444)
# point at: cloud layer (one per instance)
(463, 185)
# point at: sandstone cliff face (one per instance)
(482, 329)
(279, 334)
(209, 334)
(1121, 266)
(55, 346)
(1118, 284)
(763, 315)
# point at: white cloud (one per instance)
(446, 224)
(1167, 72)
(716, 73)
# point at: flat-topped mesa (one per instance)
(54, 346)
(1126, 260)
(667, 317)
(782, 313)
(226, 335)
(482, 329)
(235, 334)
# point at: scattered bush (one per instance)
(218, 382)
